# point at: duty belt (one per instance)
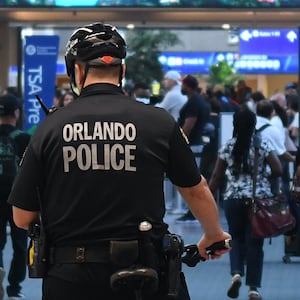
(81, 254)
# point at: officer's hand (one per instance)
(205, 242)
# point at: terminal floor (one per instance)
(210, 280)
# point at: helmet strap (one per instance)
(120, 76)
(73, 84)
(86, 69)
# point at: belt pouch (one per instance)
(124, 253)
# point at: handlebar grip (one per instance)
(222, 245)
(192, 256)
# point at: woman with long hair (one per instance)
(236, 160)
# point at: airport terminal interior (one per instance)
(261, 37)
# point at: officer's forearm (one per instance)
(204, 208)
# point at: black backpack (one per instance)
(9, 159)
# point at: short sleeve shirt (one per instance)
(195, 107)
(97, 167)
(271, 134)
(173, 101)
(240, 186)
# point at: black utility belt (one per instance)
(81, 254)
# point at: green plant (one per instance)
(144, 48)
(224, 73)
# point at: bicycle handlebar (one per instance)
(192, 256)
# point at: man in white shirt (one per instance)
(172, 102)
(272, 134)
(265, 111)
(174, 99)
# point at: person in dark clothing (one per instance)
(193, 116)
(243, 92)
(210, 150)
(219, 94)
(97, 168)
(9, 115)
(195, 112)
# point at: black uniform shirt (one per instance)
(97, 166)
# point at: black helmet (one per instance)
(92, 42)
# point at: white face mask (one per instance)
(251, 105)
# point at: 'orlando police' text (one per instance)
(112, 154)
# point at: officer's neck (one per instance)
(93, 80)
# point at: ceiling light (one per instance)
(226, 26)
(130, 26)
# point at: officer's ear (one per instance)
(79, 75)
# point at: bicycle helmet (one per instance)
(96, 44)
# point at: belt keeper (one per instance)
(80, 254)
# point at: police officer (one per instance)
(94, 170)
(12, 146)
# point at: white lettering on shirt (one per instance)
(109, 155)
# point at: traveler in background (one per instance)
(11, 90)
(280, 98)
(66, 99)
(265, 112)
(14, 91)
(141, 92)
(173, 99)
(279, 118)
(254, 98)
(236, 158)
(193, 116)
(290, 89)
(243, 92)
(281, 122)
(294, 126)
(9, 115)
(210, 151)
(172, 102)
(284, 114)
(219, 93)
(58, 93)
(94, 171)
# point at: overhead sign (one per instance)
(269, 41)
(268, 51)
(40, 59)
(194, 62)
(267, 64)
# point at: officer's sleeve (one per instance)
(182, 169)
(22, 141)
(27, 184)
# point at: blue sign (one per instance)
(269, 41)
(194, 62)
(40, 59)
(199, 62)
(267, 64)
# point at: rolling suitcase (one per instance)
(291, 247)
(292, 241)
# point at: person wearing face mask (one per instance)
(193, 117)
